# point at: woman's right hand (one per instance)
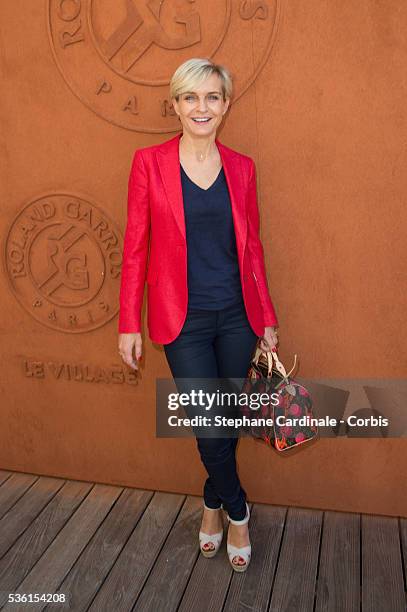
(126, 344)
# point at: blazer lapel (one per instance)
(234, 173)
(169, 164)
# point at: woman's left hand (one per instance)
(269, 340)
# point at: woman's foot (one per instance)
(238, 536)
(238, 542)
(212, 525)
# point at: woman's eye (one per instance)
(212, 97)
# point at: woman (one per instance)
(208, 298)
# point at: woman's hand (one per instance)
(126, 344)
(270, 339)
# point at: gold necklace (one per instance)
(200, 156)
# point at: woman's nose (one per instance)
(202, 104)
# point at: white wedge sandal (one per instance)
(245, 552)
(215, 539)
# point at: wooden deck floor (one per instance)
(114, 548)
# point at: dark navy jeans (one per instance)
(216, 344)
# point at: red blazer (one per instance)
(156, 212)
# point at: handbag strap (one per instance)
(280, 366)
(257, 356)
(270, 356)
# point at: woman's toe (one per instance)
(240, 561)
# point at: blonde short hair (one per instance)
(194, 71)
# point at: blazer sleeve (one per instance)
(256, 250)
(135, 248)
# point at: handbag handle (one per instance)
(280, 366)
(270, 356)
(257, 355)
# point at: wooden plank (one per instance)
(61, 554)
(24, 554)
(13, 488)
(24, 511)
(403, 537)
(165, 586)
(135, 550)
(338, 586)
(4, 475)
(128, 575)
(95, 562)
(295, 580)
(209, 581)
(251, 590)
(382, 572)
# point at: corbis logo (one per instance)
(117, 57)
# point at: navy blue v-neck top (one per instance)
(213, 269)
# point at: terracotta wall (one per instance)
(320, 106)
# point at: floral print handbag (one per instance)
(287, 429)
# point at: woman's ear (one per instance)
(174, 105)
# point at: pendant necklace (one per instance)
(200, 156)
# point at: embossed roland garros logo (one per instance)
(117, 56)
(63, 258)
